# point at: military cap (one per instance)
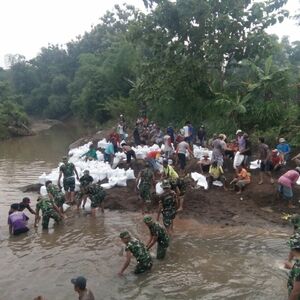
(148, 219)
(124, 235)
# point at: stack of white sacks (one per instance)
(100, 170)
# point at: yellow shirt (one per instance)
(216, 172)
(170, 172)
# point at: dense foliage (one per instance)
(207, 61)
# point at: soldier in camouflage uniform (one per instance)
(146, 179)
(168, 206)
(97, 194)
(137, 249)
(293, 283)
(157, 234)
(49, 210)
(85, 181)
(68, 170)
(55, 194)
(295, 221)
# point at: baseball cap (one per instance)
(79, 282)
(281, 140)
(239, 131)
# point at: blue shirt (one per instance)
(110, 149)
(283, 148)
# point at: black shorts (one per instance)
(266, 166)
(21, 230)
(182, 160)
(69, 184)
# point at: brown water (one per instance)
(203, 262)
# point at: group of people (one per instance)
(51, 203)
(167, 165)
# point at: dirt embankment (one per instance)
(257, 206)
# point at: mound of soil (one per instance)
(257, 206)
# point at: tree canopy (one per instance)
(207, 61)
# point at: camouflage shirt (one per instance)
(294, 276)
(54, 191)
(85, 180)
(44, 204)
(139, 251)
(67, 169)
(146, 176)
(168, 201)
(95, 189)
(159, 232)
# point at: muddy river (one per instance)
(203, 262)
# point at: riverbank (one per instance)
(257, 206)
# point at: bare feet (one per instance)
(291, 206)
(179, 209)
(239, 192)
(272, 181)
(260, 182)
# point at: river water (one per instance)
(203, 262)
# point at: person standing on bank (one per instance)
(68, 170)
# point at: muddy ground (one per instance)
(257, 206)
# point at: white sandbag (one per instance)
(238, 159)
(102, 144)
(65, 207)
(298, 181)
(113, 181)
(217, 183)
(115, 162)
(202, 182)
(195, 176)
(106, 186)
(158, 189)
(122, 181)
(43, 178)
(101, 176)
(130, 174)
(43, 191)
(254, 164)
(87, 206)
(77, 186)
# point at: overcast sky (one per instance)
(28, 25)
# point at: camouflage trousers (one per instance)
(96, 200)
(46, 218)
(145, 192)
(161, 251)
(168, 217)
(59, 201)
(143, 267)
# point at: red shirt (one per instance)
(153, 154)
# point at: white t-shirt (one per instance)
(186, 131)
(182, 147)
